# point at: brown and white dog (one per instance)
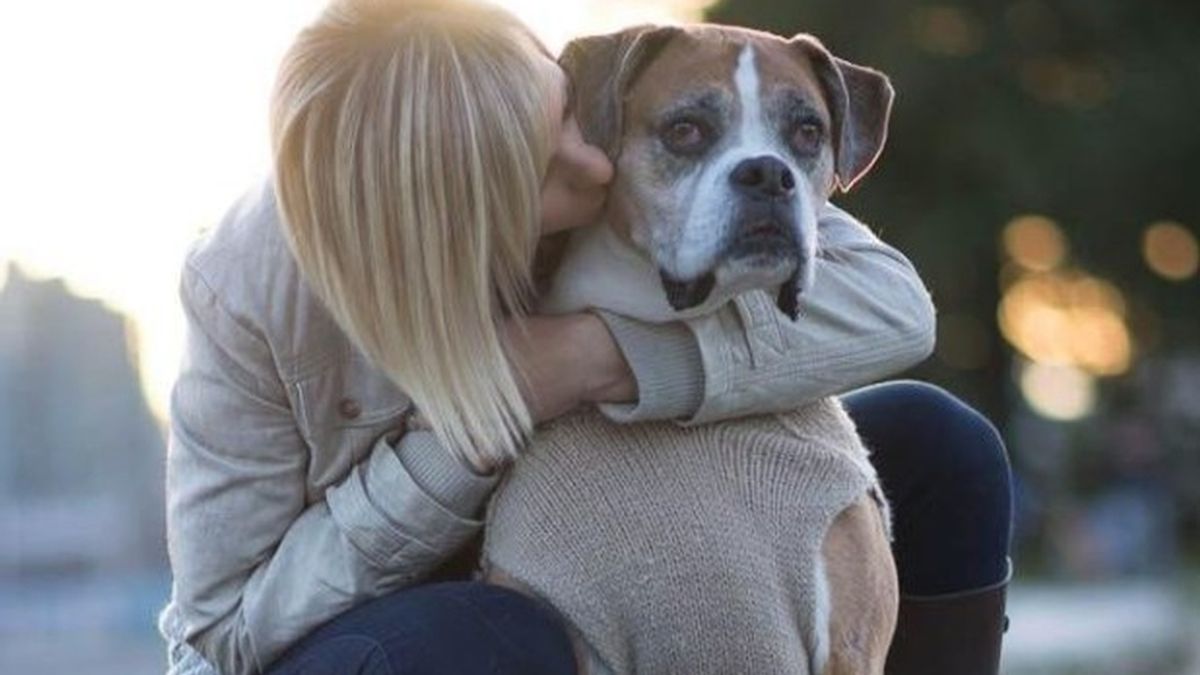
(727, 142)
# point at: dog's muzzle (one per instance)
(767, 231)
(764, 235)
(769, 239)
(765, 239)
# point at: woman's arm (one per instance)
(255, 565)
(867, 316)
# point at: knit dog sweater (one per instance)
(672, 549)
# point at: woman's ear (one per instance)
(860, 100)
(602, 68)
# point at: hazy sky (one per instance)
(128, 125)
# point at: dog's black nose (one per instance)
(763, 177)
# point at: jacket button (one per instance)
(349, 408)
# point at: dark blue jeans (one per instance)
(945, 472)
(942, 465)
(454, 627)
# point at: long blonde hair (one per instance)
(410, 141)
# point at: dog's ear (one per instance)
(861, 104)
(602, 68)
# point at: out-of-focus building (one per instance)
(81, 455)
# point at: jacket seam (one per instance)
(905, 340)
(246, 330)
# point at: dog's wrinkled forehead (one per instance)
(726, 73)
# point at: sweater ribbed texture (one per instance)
(681, 550)
(443, 476)
(666, 361)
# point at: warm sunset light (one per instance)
(1058, 392)
(1000, 344)
(1058, 316)
(1068, 319)
(1035, 242)
(1170, 250)
(158, 112)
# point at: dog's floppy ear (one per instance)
(861, 103)
(602, 68)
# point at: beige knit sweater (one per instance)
(682, 550)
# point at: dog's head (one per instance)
(726, 142)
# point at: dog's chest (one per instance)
(634, 531)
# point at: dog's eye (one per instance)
(685, 136)
(807, 137)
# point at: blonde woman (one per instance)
(422, 148)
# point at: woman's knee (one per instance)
(961, 439)
(930, 430)
(965, 462)
(946, 470)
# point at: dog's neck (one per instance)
(601, 270)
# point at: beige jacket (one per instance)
(292, 495)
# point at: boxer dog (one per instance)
(726, 142)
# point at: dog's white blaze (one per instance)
(754, 138)
(822, 608)
(696, 247)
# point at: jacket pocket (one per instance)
(343, 409)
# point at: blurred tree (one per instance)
(1080, 110)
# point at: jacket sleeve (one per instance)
(256, 563)
(867, 316)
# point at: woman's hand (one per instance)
(563, 361)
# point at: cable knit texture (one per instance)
(681, 550)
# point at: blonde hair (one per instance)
(410, 141)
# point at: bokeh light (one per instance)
(1068, 319)
(1170, 250)
(946, 30)
(1058, 392)
(1035, 242)
(1054, 314)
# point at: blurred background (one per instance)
(1040, 174)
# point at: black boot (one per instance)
(953, 634)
